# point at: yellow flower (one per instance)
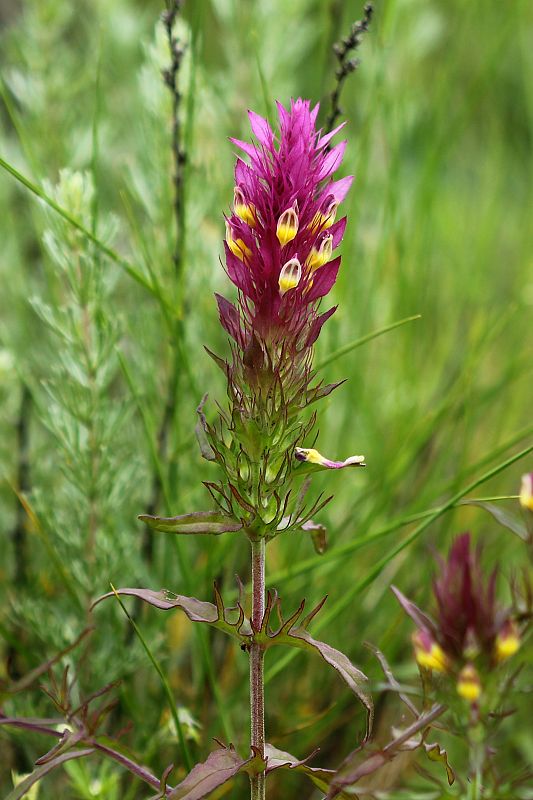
(468, 684)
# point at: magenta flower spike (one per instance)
(471, 633)
(281, 237)
(282, 233)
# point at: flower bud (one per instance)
(507, 642)
(237, 246)
(244, 210)
(287, 227)
(290, 275)
(526, 491)
(468, 684)
(428, 653)
(321, 255)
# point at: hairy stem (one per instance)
(257, 686)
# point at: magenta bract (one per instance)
(283, 229)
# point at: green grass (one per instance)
(439, 225)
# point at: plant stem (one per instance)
(257, 686)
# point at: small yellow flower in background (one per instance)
(526, 491)
(507, 642)
(468, 684)
(428, 653)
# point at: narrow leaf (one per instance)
(213, 522)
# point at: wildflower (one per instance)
(312, 456)
(287, 226)
(281, 236)
(237, 246)
(284, 199)
(290, 275)
(526, 492)
(243, 209)
(471, 634)
(507, 642)
(428, 653)
(468, 684)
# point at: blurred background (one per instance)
(99, 383)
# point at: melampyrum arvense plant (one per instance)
(280, 238)
(281, 233)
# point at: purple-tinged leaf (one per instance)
(213, 522)
(229, 620)
(110, 749)
(69, 739)
(353, 677)
(36, 724)
(201, 430)
(292, 632)
(221, 766)
(363, 761)
(393, 683)
(421, 619)
(24, 786)
(510, 521)
(280, 759)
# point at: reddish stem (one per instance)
(257, 687)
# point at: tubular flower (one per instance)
(284, 200)
(526, 491)
(428, 653)
(470, 634)
(468, 684)
(312, 456)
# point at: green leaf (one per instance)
(213, 522)
(436, 753)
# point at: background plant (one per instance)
(440, 131)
